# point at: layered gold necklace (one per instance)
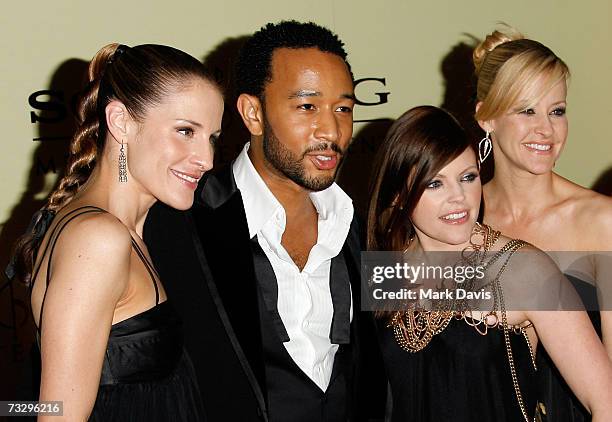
(413, 329)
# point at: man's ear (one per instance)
(484, 124)
(250, 109)
(117, 119)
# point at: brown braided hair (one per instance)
(140, 77)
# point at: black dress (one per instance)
(558, 403)
(146, 374)
(460, 376)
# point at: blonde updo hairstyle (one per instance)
(510, 70)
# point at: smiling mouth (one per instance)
(455, 217)
(539, 147)
(190, 181)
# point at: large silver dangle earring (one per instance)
(122, 164)
(485, 146)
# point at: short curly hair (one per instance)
(254, 64)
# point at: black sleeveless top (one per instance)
(460, 376)
(146, 375)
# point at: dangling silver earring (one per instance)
(485, 146)
(122, 164)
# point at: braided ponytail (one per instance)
(139, 77)
(83, 153)
(86, 140)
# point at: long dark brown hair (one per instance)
(140, 77)
(417, 146)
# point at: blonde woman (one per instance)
(521, 105)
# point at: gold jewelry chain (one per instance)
(517, 244)
(413, 330)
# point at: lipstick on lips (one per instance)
(455, 217)
(190, 180)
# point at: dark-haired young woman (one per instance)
(463, 360)
(111, 345)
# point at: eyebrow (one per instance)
(189, 121)
(463, 171)
(304, 93)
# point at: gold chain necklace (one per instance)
(413, 330)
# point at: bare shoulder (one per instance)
(589, 212)
(97, 233)
(533, 281)
(528, 261)
(586, 203)
(598, 207)
(95, 246)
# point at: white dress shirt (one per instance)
(304, 297)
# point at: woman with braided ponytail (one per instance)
(521, 104)
(111, 345)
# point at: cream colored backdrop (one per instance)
(403, 41)
(406, 42)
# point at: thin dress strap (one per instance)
(149, 266)
(57, 230)
(59, 227)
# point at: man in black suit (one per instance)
(265, 267)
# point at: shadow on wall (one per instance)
(355, 174)
(459, 99)
(603, 184)
(457, 69)
(220, 62)
(54, 111)
(355, 171)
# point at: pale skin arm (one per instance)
(566, 332)
(573, 345)
(606, 329)
(89, 272)
(568, 336)
(603, 280)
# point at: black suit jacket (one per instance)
(205, 260)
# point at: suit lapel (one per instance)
(225, 255)
(345, 271)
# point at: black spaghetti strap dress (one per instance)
(146, 374)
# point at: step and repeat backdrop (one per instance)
(403, 53)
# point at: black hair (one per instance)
(254, 65)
